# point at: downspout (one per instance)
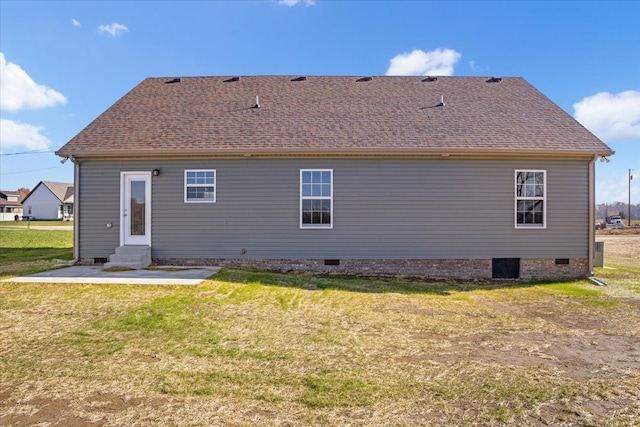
(76, 210)
(592, 213)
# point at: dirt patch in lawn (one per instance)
(625, 246)
(578, 357)
(90, 411)
(635, 230)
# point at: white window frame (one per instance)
(330, 198)
(186, 186)
(542, 198)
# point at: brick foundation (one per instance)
(461, 269)
(533, 269)
(530, 269)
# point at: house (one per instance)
(50, 200)
(469, 177)
(10, 205)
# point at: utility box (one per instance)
(598, 254)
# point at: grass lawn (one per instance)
(35, 223)
(266, 349)
(25, 251)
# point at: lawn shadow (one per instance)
(22, 261)
(370, 284)
(34, 254)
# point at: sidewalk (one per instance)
(94, 274)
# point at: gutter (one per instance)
(592, 213)
(333, 152)
(76, 211)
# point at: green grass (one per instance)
(29, 251)
(35, 223)
(331, 388)
(377, 284)
(261, 348)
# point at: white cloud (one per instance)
(612, 183)
(295, 2)
(476, 68)
(437, 62)
(75, 22)
(113, 29)
(19, 91)
(14, 134)
(611, 117)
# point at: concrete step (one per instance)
(126, 258)
(133, 250)
(135, 257)
(132, 265)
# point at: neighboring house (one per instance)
(50, 200)
(10, 205)
(451, 176)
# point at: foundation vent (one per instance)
(505, 268)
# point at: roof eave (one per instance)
(332, 152)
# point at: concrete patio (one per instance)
(94, 274)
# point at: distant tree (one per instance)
(604, 210)
(24, 192)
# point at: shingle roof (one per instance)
(218, 115)
(68, 195)
(61, 190)
(4, 199)
(6, 194)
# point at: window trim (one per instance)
(215, 187)
(330, 198)
(519, 198)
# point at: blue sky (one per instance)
(64, 63)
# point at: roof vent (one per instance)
(494, 80)
(257, 105)
(365, 79)
(299, 79)
(232, 79)
(442, 104)
(176, 80)
(430, 79)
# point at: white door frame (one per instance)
(126, 238)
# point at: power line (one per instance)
(28, 152)
(33, 170)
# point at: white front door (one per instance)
(135, 208)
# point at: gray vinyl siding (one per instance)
(383, 208)
(98, 203)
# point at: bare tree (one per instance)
(24, 192)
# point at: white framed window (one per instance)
(200, 186)
(316, 198)
(531, 199)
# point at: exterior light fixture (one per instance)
(155, 172)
